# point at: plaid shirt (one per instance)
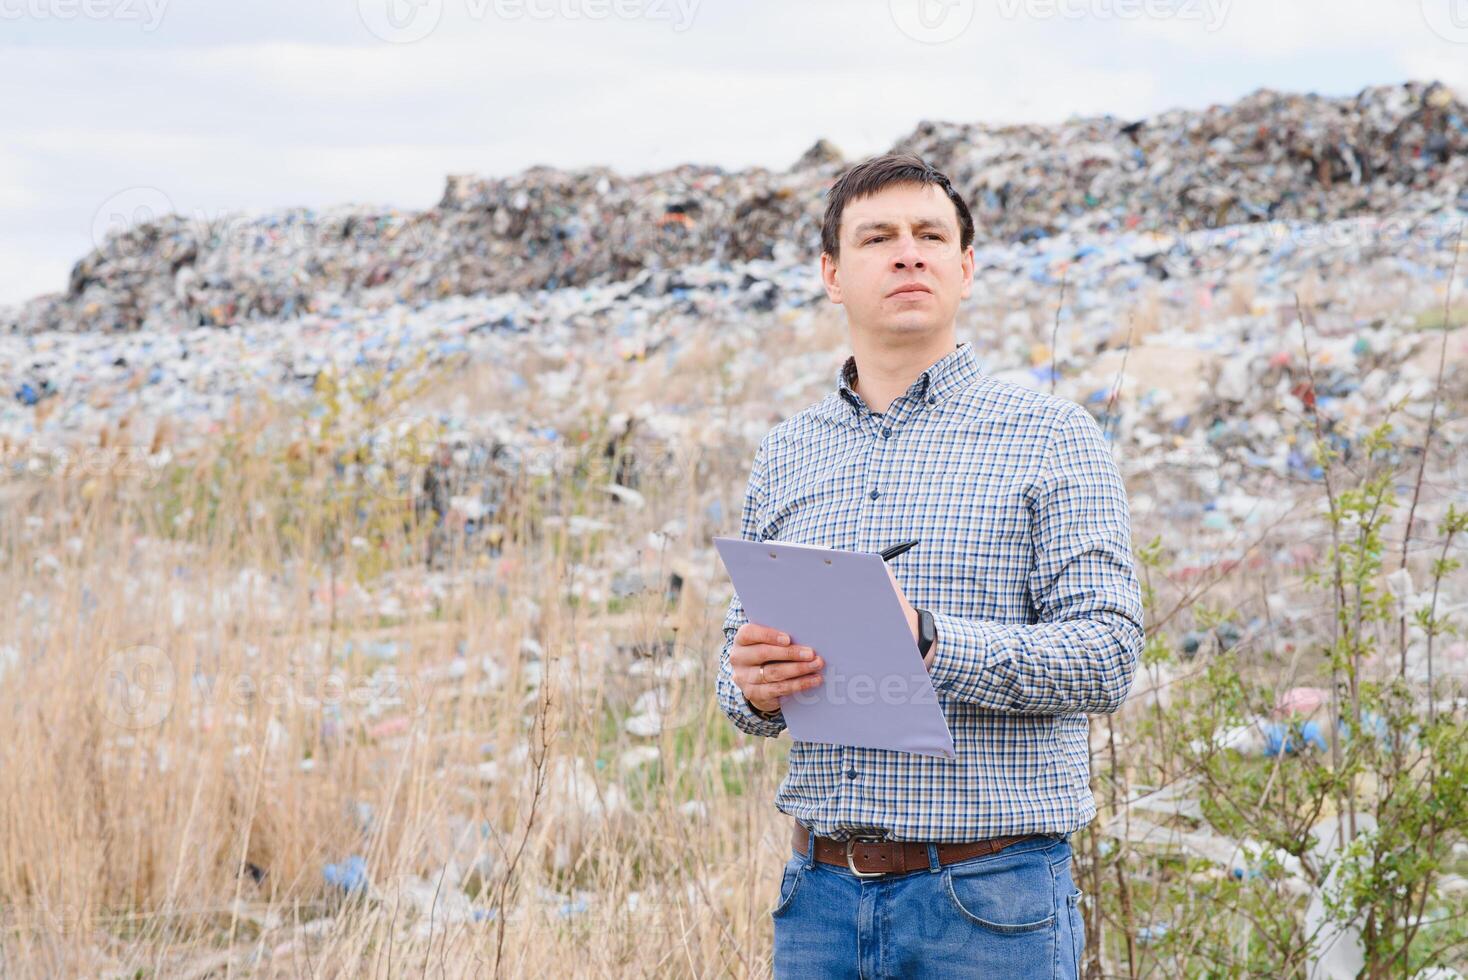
(1025, 563)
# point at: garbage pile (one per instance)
(1206, 381)
(1186, 345)
(543, 229)
(1268, 157)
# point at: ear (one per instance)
(968, 272)
(831, 279)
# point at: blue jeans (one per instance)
(1011, 914)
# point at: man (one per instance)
(1021, 595)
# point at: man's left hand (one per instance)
(912, 617)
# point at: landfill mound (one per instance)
(1269, 157)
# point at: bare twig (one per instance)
(1442, 355)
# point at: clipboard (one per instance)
(875, 690)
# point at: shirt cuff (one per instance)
(777, 715)
(748, 719)
(959, 666)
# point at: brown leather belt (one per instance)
(870, 858)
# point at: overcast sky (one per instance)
(214, 106)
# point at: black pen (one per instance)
(890, 553)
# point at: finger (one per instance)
(762, 653)
(786, 669)
(768, 692)
(751, 633)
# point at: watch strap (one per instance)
(926, 631)
(767, 716)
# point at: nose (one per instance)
(907, 255)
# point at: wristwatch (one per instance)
(927, 631)
(770, 716)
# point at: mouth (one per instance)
(911, 289)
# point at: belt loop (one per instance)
(932, 857)
(810, 854)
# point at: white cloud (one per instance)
(225, 108)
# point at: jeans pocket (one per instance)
(789, 884)
(1016, 896)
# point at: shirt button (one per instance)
(887, 433)
(876, 494)
(851, 774)
(932, 400)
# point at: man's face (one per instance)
(901, 270)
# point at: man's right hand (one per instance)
(788, 667)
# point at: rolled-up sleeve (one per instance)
(1081, 654)
(731, 698)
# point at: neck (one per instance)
(886, 371)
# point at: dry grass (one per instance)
(198, 722)
(216, 692)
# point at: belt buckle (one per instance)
(868, 839)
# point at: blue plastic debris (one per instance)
(1282, 739)
(350, 876)
(573, 908)
(1153, 933)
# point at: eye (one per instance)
(876, 238)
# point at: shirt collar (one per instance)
(953, 372)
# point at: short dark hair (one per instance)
(872, 175)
